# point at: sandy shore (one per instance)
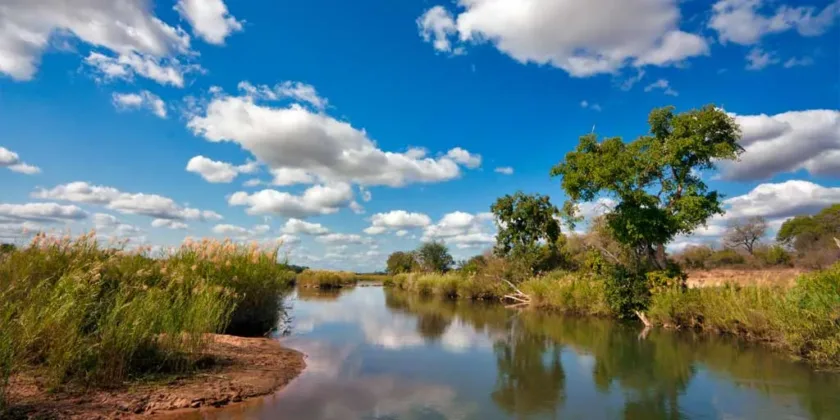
(245, 368)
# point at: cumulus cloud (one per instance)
(316, 200)
(399, 220)
(291, 176)
(470, 160)
(582, 38)
(108, 226)
(166, 71)
(152, 205)
(124, 28)
(140, 100)
(296, 226)
(218, 172)
(286, 239)
(342, 239)
(662, 85)
(308, 145)
(776, 202)
(169, 224)
(295, 91)
(11, 160)
(798, 62)
(40, 212)
(505, 170)
(463, 230)
(744, 21)
(209, 19)
(787, 142)
(240, 232)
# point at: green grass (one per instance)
(324, 279)
(79, 313)
(803, 320)
(574, 293)
(449, 285)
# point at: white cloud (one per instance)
(401, 233)
(166, 71)
(799, 62)
(152, 205)
(742, 21)
(296, 138)
(209, 18)
(396, 220)
(253, 182)
(169, 224)
(342, 239)
(143, 99)
(287, 239)
(787, 142)
(218, 172)
(464, 157)
(11, 160)
(582, 38)
(318, 199)
(774, 201)
(295, 91)
(296, 226)
(783, 199)
(240, 232)
(291, 176)
(40, 212)
(463, 230)
(586, 105)
(109, 227)
(123, 27)
(758, 59)
(436, 26)
(506, 170)
(663, 85)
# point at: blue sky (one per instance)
(105, 105)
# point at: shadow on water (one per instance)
(380, 354)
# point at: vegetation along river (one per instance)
(375, 353)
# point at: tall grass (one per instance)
(449, 285)
(84, 314)
(324, 279)
(803, 320)
(575, 293)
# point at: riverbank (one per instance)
(75, 314)
(801, 319)
(233, 369)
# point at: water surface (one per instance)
(374, 353)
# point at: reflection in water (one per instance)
(380, 354)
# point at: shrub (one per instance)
(324, 279)
(626, 292)
(774, 255)
(725, 257)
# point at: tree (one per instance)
(745, 233)
(813, 237)
(434, 256)
(655, 178)
(401, 262)
(527, 228)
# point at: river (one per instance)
(375, 353)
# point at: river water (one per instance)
(374, 353)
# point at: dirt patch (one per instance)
(769, 277)
(243, 368)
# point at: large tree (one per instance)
(528, 230)
(745, 233)
(655, 178)
(401, 262)
(434, 256)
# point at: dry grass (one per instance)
(782, 277)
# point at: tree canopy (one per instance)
(655, 178)
(745, 233)
(805, 232)
(526, 224)
(434, 256)
(401, 262)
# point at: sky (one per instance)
(348, 130)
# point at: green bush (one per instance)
(567, 292)
(775, 255)
(626, 292)
(725, 257)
